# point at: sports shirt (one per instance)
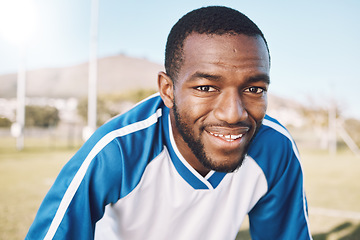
(129, 181)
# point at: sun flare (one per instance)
(17, 20)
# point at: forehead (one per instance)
(228, 49)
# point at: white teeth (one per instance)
(236, 136)
(228, 138)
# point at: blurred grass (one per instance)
(25, 177)
(331, 182)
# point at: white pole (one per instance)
(20, 109)
(93, 75)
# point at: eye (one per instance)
(206, 89)
(255, 90)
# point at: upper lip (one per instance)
(225, 131)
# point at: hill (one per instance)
(115, 74)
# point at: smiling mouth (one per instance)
(228, 138)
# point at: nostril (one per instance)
(231, 110)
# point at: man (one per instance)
(192, 161)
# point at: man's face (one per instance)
(219, 99)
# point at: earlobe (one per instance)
(166, 89)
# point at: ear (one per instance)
(166, 89)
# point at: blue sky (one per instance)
(314, 45)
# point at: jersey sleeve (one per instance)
(106, 169)
(282, 212)
(77, 199)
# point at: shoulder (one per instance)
(143, 115)
(274, 150)
(122, 148)
(272, 137)
(149, 107)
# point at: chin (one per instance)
(223, 165)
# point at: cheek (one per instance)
(257, 109)
(193, 114)
(192, 109)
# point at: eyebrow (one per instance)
(208, 76)
(259, 78)
(213, 77)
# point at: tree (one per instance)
(5, 122)
(104, 112)
(41, 116)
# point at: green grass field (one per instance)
(332, 185)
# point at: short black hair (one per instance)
(210, 20)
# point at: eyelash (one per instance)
(262, 90)
(207, 88)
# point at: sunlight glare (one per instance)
(17, 20)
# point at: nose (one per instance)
(230, 108)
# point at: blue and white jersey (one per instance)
(129, 181)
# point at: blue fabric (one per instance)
(108, 178)
(280, 213)
(118, 166)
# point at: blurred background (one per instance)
(66, 67)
